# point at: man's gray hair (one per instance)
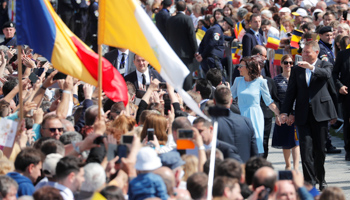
(95, 177)
(314, 45)
(6, 183)
(267, 14)
(242, 12)
(70, 136)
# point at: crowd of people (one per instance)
(156, 147)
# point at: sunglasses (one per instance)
(240, 66)
(54, 129)
(286, 62)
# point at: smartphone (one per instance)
(264, 195)
(167, 106)
(345, 14)
(40, 71)
(99, 139)
(150, 134)
(127, 139)
(60, 75)
(162, 86)
(184, 133)
(122, 152)
(33, 78)
(285, 175)
(140, 93)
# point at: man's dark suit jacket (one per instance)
(181, 35)
(249, 41)
(161, 19)
(228, 150)
(273, 92)
(342, 68)
(112, 57)
(320, 93)
(132, 77)
(238, 131)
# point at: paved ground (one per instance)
(337, 169)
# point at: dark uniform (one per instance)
(9, 42)
(212, 48)
(93, 19)
(326, 50)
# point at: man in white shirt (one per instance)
(70, 176)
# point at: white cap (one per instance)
(147, 160)
(300, 12)
(317, 11)
(50, 163)
(284, 9)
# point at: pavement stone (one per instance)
(337, 169)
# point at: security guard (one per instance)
(211, 50)
(326, 47)
(9, 31)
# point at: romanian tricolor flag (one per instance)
(42, 29)
(238, 28)
(125, 24)
(278, 57)
(273, 43)
(236, 54)
(296, 37)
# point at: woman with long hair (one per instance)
(286, 136)
(249, 89)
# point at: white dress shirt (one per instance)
(120, 56)
(139, 77)
(308, 73)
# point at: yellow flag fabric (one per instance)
(200, 34)
(124, 24)
(98, 196)
(348, 47)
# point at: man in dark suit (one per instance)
(252, 37)
(341, 74)
(205, 129)
(181, 36)
(162, 17)
(143, 75)
(122, 60)
(310, 86)
(235, 129)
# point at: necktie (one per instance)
(143, 79)
(258, 39)
(122, 62)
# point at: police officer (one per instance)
(326, 47)
(326, 54)
(93, 18)
(211, 50)
(9, 31)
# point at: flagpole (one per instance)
(20, 84)
(99, 80)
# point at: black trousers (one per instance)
(267, 131)
(188, 83)
(312, 137)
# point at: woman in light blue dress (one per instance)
(249, 88)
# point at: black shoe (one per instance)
(333, 150)
(347, 156)
(323, 185)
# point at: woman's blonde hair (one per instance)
(191, 165)
(121, 125)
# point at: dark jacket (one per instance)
(320, 94)
(273, 92)
(212, 43)
(181, 35)
(132, 77)
(161, 20)
(238, 131)
(249, 41)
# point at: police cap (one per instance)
(325, 29)
(228, 21)
(8, 24)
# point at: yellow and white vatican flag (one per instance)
(124, 24)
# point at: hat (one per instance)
(285, 9)
(147, 160)
(49, 165)
(167, 3)
(171, 159)
(325, 29)
(229, 21)
(8, 24)
(317, 11)
(300, 12)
